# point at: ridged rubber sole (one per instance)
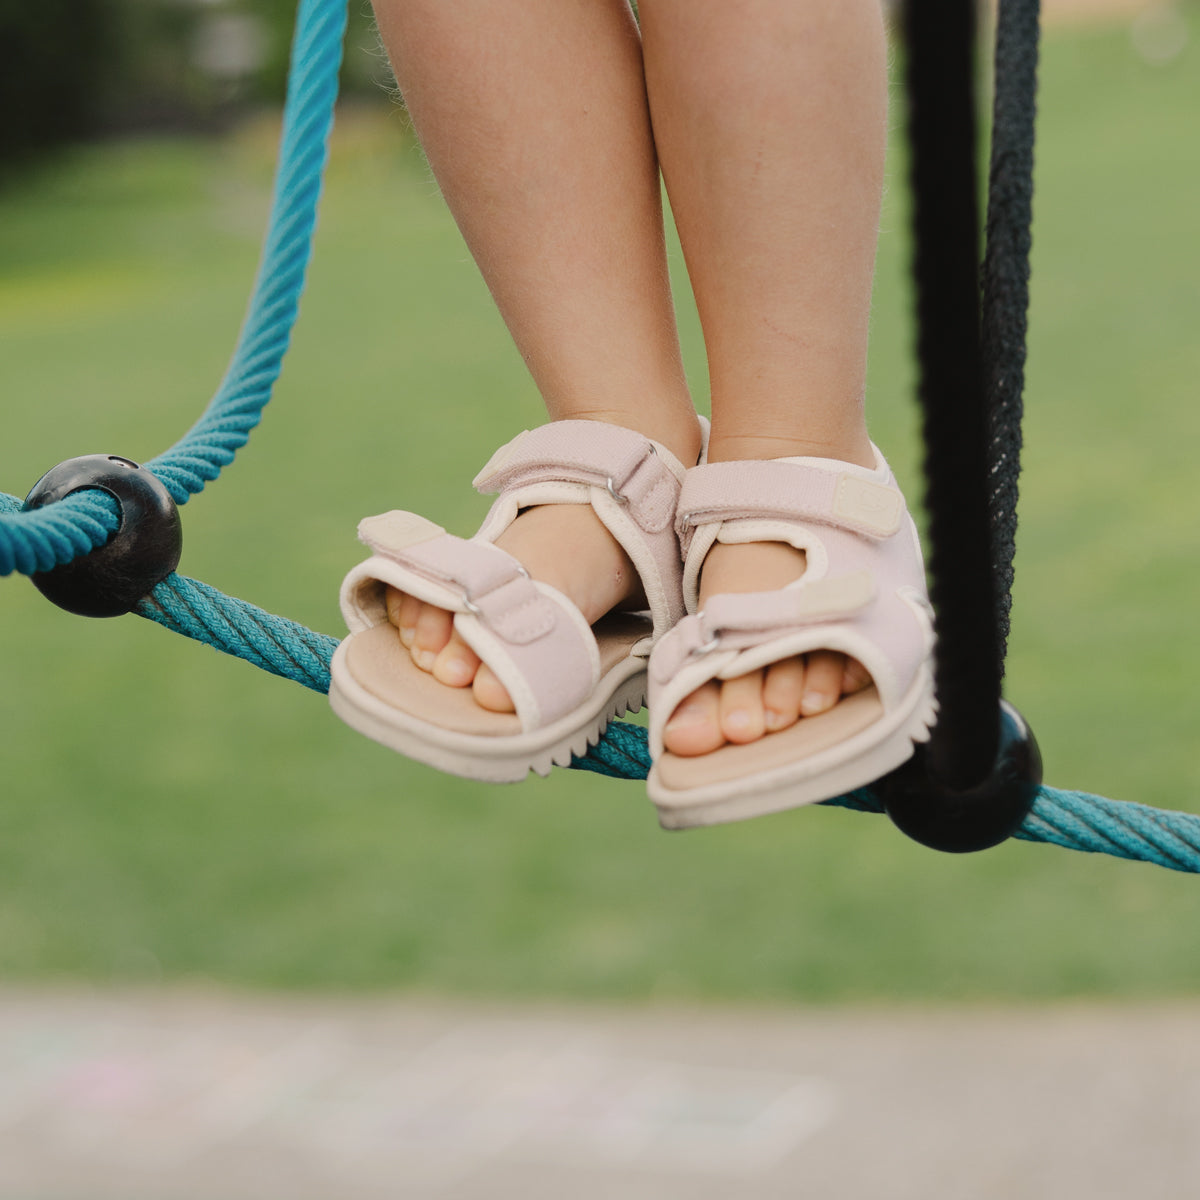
(860, 760)
(507, 759)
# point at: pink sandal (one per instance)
(567, 680)
(862, 593)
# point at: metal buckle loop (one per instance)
(652, 450)
(474, 608)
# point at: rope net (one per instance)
(36, 541)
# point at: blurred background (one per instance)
(244, 952)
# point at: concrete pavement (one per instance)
(180, 1095)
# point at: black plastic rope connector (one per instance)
(961, 820)
(143, 551)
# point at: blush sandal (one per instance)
(862, 593)
(567, 680)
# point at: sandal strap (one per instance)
(631, 482)
(474, 569)
(737, 620)
(820, 490)
(763, 612)
(635, 471)
(530, 634)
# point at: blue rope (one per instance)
(224, 427)
(48, 537)
(236, 627)
(44, 538)
(1074, 820)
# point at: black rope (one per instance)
(1006, 281)
(940, 37)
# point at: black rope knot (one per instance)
(143, 551)
(959, 820)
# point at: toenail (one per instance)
(407, 633)
(424, 659)
(455, 671)
(687, 714)
(774, 720)
(814, 702)
(739, 719)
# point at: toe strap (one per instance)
(737, 622)
(822, 490)
(530, 634)
(890, 633)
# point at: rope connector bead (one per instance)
(962, 820)
(143, 551)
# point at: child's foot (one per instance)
(840, 570)
(564, 545)
(577, 504)
(746, 708)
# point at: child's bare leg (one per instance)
(534, 119)
(770, 118)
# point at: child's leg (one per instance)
(770, 119)
(534, 119)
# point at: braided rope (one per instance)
(47, 537)
(37, 541)
(1074, 820)
(224, 427)
(1006, 282)
(236, 627)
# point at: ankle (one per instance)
(597, 574)
(854, 447)
(677, 429)
(749, 567)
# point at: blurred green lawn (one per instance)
(169, 813)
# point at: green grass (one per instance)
(168, 812)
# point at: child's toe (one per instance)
(456, 663)
(855, 677)
(402, 611)
(822, 681)
(433, 629)
(783, 689)
(695, 725)
(490, 693)
(742, 715)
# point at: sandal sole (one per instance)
(859, 760)
(491, 759)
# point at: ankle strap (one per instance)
(640, 475)
(823, 490)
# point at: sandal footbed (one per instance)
(807, 737)
(383, 666)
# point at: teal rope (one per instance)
(236, 627)
(38, 541)
(44, 538)
(198, 457)
(1074, 820)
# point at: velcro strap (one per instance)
(820, 600)
(593, 453)
(516, 611)
(475, 567)
(777, 488)
(491, 584)
(736, 621)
